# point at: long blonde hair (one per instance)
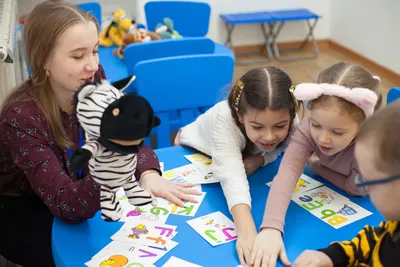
(43, 28)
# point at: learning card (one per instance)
(184, 174)
(175, 262)
(304, 184)
(189, 208)
(119, 259)
(162, 167)
(331, 207)
(215, 227)
(203, 163)
(144, 214)
(149, 253)
(156, 235)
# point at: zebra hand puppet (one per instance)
(115, 126)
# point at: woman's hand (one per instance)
(266, 248)
(312, 258)
(158, 186)
(252, 163)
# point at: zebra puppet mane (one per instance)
(115, 125)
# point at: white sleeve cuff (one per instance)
(239, 199)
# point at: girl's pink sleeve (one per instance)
(300, 148)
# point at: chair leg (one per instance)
(309, 37)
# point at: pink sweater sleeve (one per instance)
(300, 148)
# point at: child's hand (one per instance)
(177, 141)
(156, 185)
(244, 244)
(252, 163)
(266, 248)
(312, 258)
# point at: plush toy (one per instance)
(135, 36)
(167, 30)
(119, 26)
(115, 126)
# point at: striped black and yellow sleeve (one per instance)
(357, 251)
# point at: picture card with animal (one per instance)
(215, 228)
(120, 259)
(175, 262)
(149, 253)
(156, 235)
(330, 207)
(189, 209)
(304, 184)
(203, 163)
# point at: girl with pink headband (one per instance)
(343, 97)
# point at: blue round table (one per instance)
(73, 245)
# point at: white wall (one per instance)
(251, 34)
(369, 27)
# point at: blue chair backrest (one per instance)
(183, 83)
(189, 18)
(93, 8)
(393, 95)
(134, 53)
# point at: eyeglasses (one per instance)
(364, 185)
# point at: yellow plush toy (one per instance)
(113, 34)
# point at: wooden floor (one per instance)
(307, 70)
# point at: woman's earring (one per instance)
(47, 73)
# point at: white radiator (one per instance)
(11, 60)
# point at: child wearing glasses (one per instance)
(343, 96)
(378, 156)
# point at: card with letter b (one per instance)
(330, 207)
(215, 227)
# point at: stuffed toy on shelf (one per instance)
(135, 36)
(119, 26)
(115, 126)
(166, 30)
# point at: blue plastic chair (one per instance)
(184, 84)
(393, 95)
(134, 53)
(94, 8)
(190, 18)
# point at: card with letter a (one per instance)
(215, 227)
(119, 259)
(304, 184)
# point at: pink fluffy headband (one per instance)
(361, 97)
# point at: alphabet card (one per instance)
(189, 208)
(304, 184)
(175, 262)
(151, 254)
(156, 235)
(184, 174)
(145, 214)
(331, 207)
(215, 227)
(203, 163)
(120, 259)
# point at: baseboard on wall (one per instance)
(322, 44)
(326, 44)
(366, 62)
